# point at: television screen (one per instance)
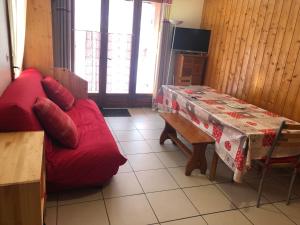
(195, 40)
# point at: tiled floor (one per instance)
(151, 188)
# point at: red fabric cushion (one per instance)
(95, 160)
(56, 122)
(58, 93)
(16, 103)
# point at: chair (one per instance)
(288, 135)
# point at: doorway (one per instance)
(116, 46)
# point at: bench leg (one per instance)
(167, 130)
(197, 160)
(213, 168)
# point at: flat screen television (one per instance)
(192, 40)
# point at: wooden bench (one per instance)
(174, 123)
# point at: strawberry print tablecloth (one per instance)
(242, 131)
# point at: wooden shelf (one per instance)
(22, 178)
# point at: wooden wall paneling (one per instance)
(242, 67)
(227, 43)
(209, 8)
(262, 72)
(275, 54)
(296, 113)
(216, 51)
(261, 51)
(293, 95)
(254, 52)
(214, 14)
(254, 47)
(230, 49)
(285, 48)
(216, 39)
(75, 84)
(286, 87)
(38, 50)
(236, 68)
(204, 16)
(237, 45)
(220, 47)
(215, 31)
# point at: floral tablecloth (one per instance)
(242, 131)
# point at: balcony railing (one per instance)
(87, 59)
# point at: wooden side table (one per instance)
(22, 178)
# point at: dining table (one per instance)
(242, 131)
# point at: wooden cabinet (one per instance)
(190, 69)
(22, 178)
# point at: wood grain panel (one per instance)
(38, 52)
(76, 85)
(254, 52)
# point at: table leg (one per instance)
(167, 130)
(213, 168)
(197, 160)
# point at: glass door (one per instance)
(127, 32)
(120, 21)
(148, 47)
(87, 42)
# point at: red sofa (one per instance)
(94, 161)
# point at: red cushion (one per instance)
(56, 122)
(16, 103)
(58, 93)
(95, 160)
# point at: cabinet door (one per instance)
(188, 66)
(198, 70)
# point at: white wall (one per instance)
(189, 11)
(5, 73)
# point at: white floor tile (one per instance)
(151, 134)
(89, 213)
(172, 159)
(126, 168)
(131, 135)
(80, 195)
(241, 195)
(156, 147)
(51, 216)
(136, 111)
(130, 210)
(196, 178)
(122, 184)
(233, 217)
(149, 125)
(292, 210)
(208, 199)
(118, 119)
(156, 180)
(198, 220)
(138, 135)
(273, 190)
(125, 125)
(266, 214)
(134, 147)
(51, 200)
(171, 205)
(223, 173)
(144, 162)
